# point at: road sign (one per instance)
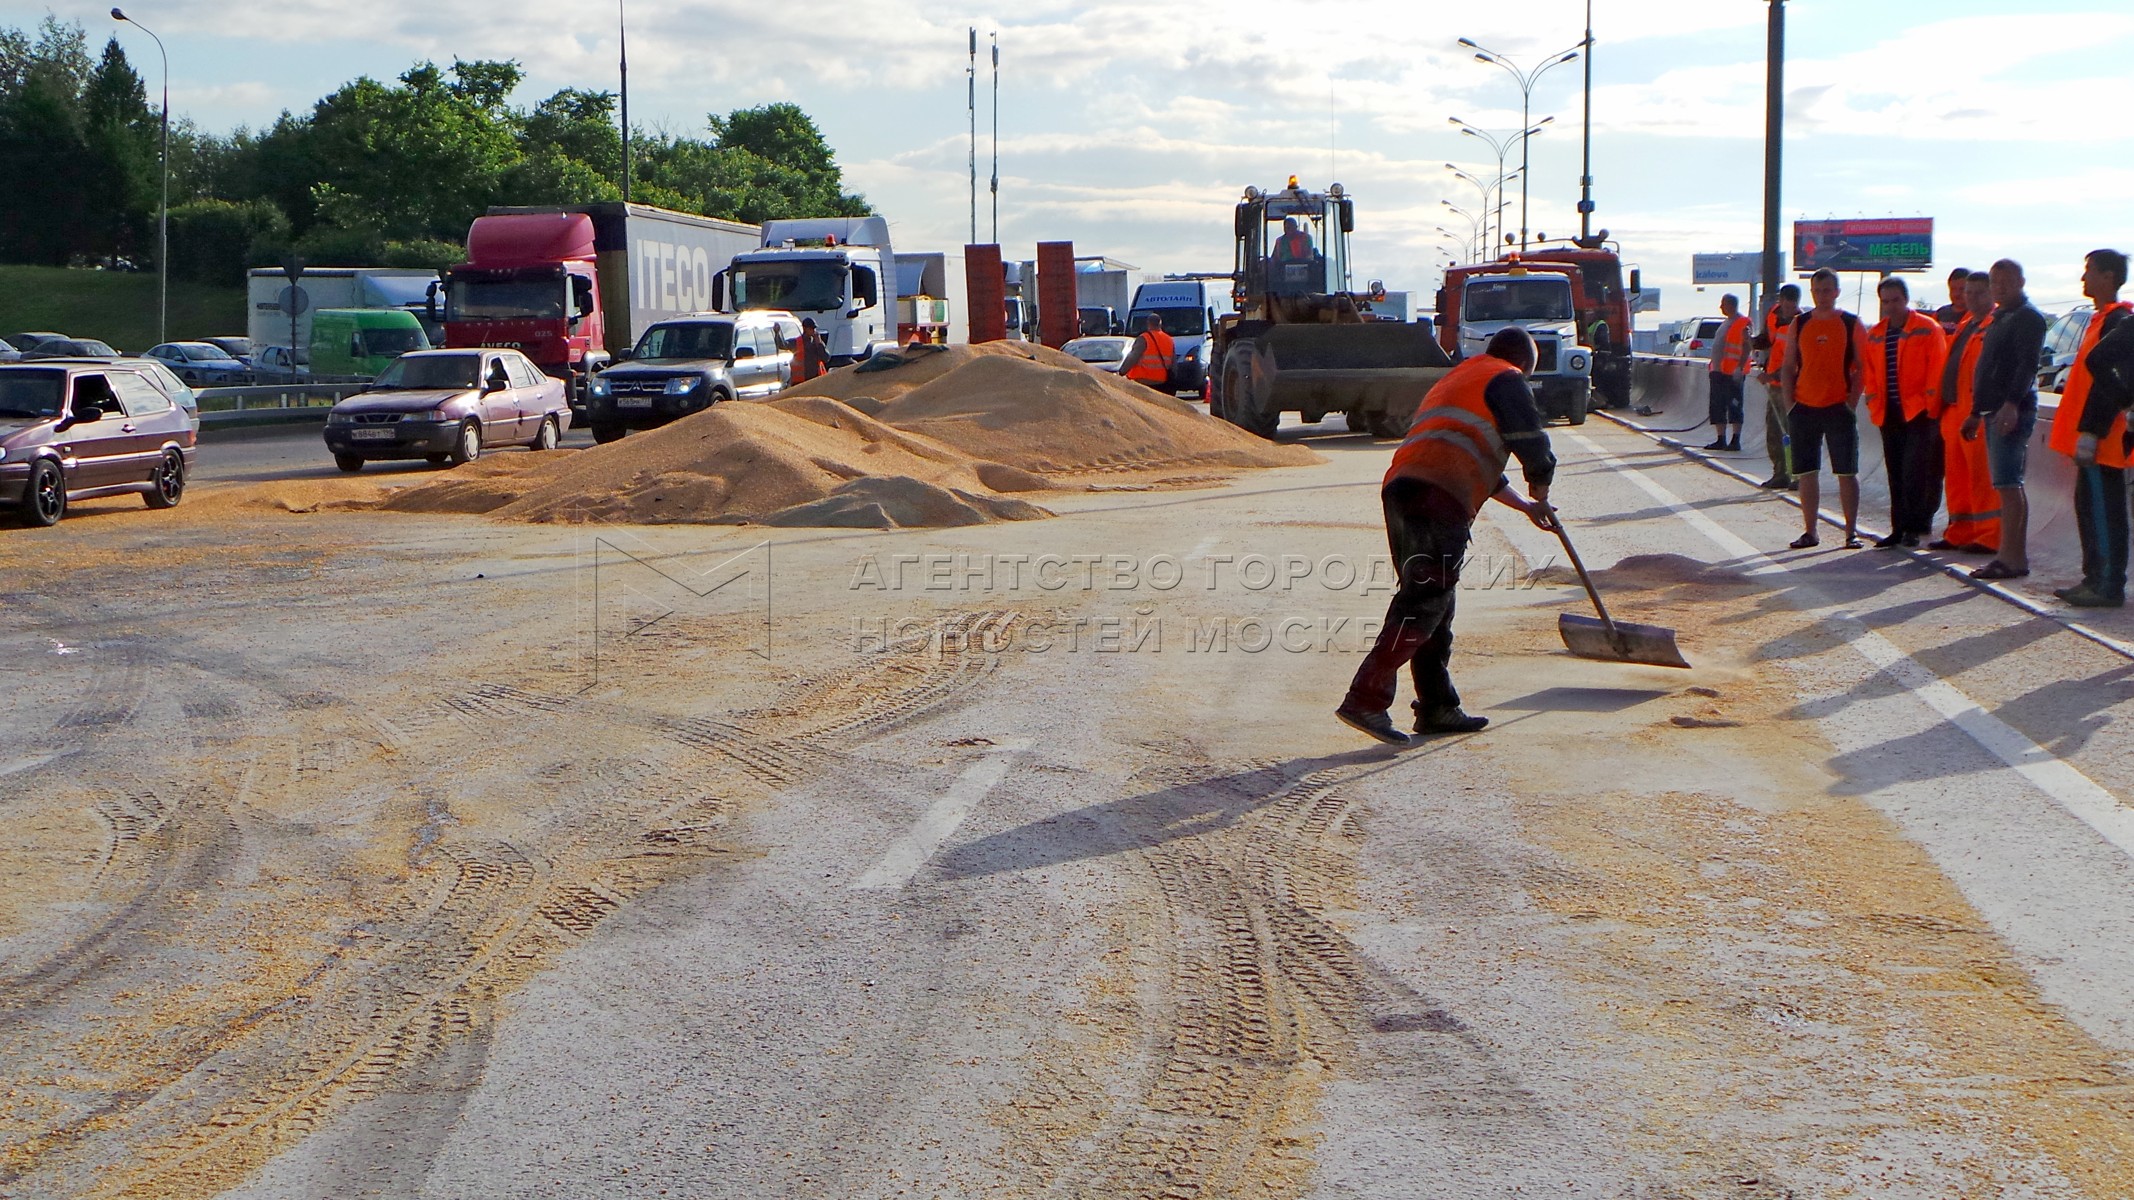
(294, 301)
(1745, 267)
(1887, 244)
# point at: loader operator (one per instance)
(1295, 245)
(1152, 357)
(1469, 427)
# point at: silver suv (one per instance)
(686, 364)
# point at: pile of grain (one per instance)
(743, 462)
(1039, 409)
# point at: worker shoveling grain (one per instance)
(951, 431)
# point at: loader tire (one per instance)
(1244, 405)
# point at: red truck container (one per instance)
(573, 286)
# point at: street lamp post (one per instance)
(1476, 227)
(1526, 81)
(1485, 187)
(1502, 145)
(163, 213)
(622, 78)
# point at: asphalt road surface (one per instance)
(366, 854)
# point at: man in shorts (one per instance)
(2004, 410)
(1822, 382)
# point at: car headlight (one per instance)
(433, 415)
(599, 387)
(683, 385)
(1578, 362)
(340, 418)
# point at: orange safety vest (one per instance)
(2111, 449)
(1967, 367)
(1829, 346)
(1453, 442)
(1732, 355)
(1780, 333)
(1158, 351)
(1296, 247)
(810, 358)
(1922, 351)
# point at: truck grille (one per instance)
(1544, 355)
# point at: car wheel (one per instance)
(169, 481)
(353, 463)
(1576, 413)
(44, 501)
(608, 433)
(548, 438)
(470, 444)
(437, 460)
(1358, 422)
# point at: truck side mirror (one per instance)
(718, 292)
(1636, 284)
(1348, 216)
(741, 352)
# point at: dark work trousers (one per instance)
(2101, 517)
(1427, 530)
(1911, 453)
(1777, 439)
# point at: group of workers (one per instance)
(1953, 395)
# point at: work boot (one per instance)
(1376, 724)
(1716, 444)
(1449, 720)
(1777, 483)
(1889, 543)
(2087, 597)
(1733, 444)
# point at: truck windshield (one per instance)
(1519, 299)
(387, 343)
(429, 372)
(1178, 322)
(30, 395)
(795, 287)
(693, 339)
(506, 299)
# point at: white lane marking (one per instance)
(2068, 787)
(911, 852)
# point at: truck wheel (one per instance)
(1575, 412)
(604, 434)
(1358, 422)
(1243, 405)
(1386, 425)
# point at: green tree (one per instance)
(44, 152)
(417, 160)
(121, 137)
(214, 241)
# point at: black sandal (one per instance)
(1999, 570)
(1804, 542)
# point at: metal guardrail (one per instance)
(277, 395)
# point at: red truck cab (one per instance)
(529, 284)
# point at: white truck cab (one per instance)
(840, 271)
(1540, 302)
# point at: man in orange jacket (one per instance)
(1974, 507)
(2097, 442)
(1452, 462)
(1152, 357)
(1906, 352)
(1728, 372)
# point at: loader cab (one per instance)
(1294, 242)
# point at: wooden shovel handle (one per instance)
(1564, 535)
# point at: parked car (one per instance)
(26, 342)
(272, 363)
(1103, 353)
(689, 363)
(448, 406)
(2062, 340)
(8, 353)
(239, 348)
(202, 363)
(1694, 337)
(78, 430)
(71, 348)
(362, 341)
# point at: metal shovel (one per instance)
(1608, 639)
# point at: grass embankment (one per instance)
(113, 306)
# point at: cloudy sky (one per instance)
(1130, 129)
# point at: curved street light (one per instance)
(163, 213)
(1526, 80)
(1501, 143)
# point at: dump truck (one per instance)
(1481, 298)
(1301, 339)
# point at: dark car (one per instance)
(687, 364)
(9, 354)
(71, 348)
(201, 363)
(239, 348)
(447, 406)
(74, 431)
(26, 342)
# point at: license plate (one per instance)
(372, 435)
(633, 401)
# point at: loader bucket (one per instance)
(1381, 365)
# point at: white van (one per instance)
(1188, 310)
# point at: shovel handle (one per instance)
(1564, 535)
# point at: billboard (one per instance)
(1744, 267)
(1877, 245)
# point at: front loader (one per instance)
(1300, 340)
